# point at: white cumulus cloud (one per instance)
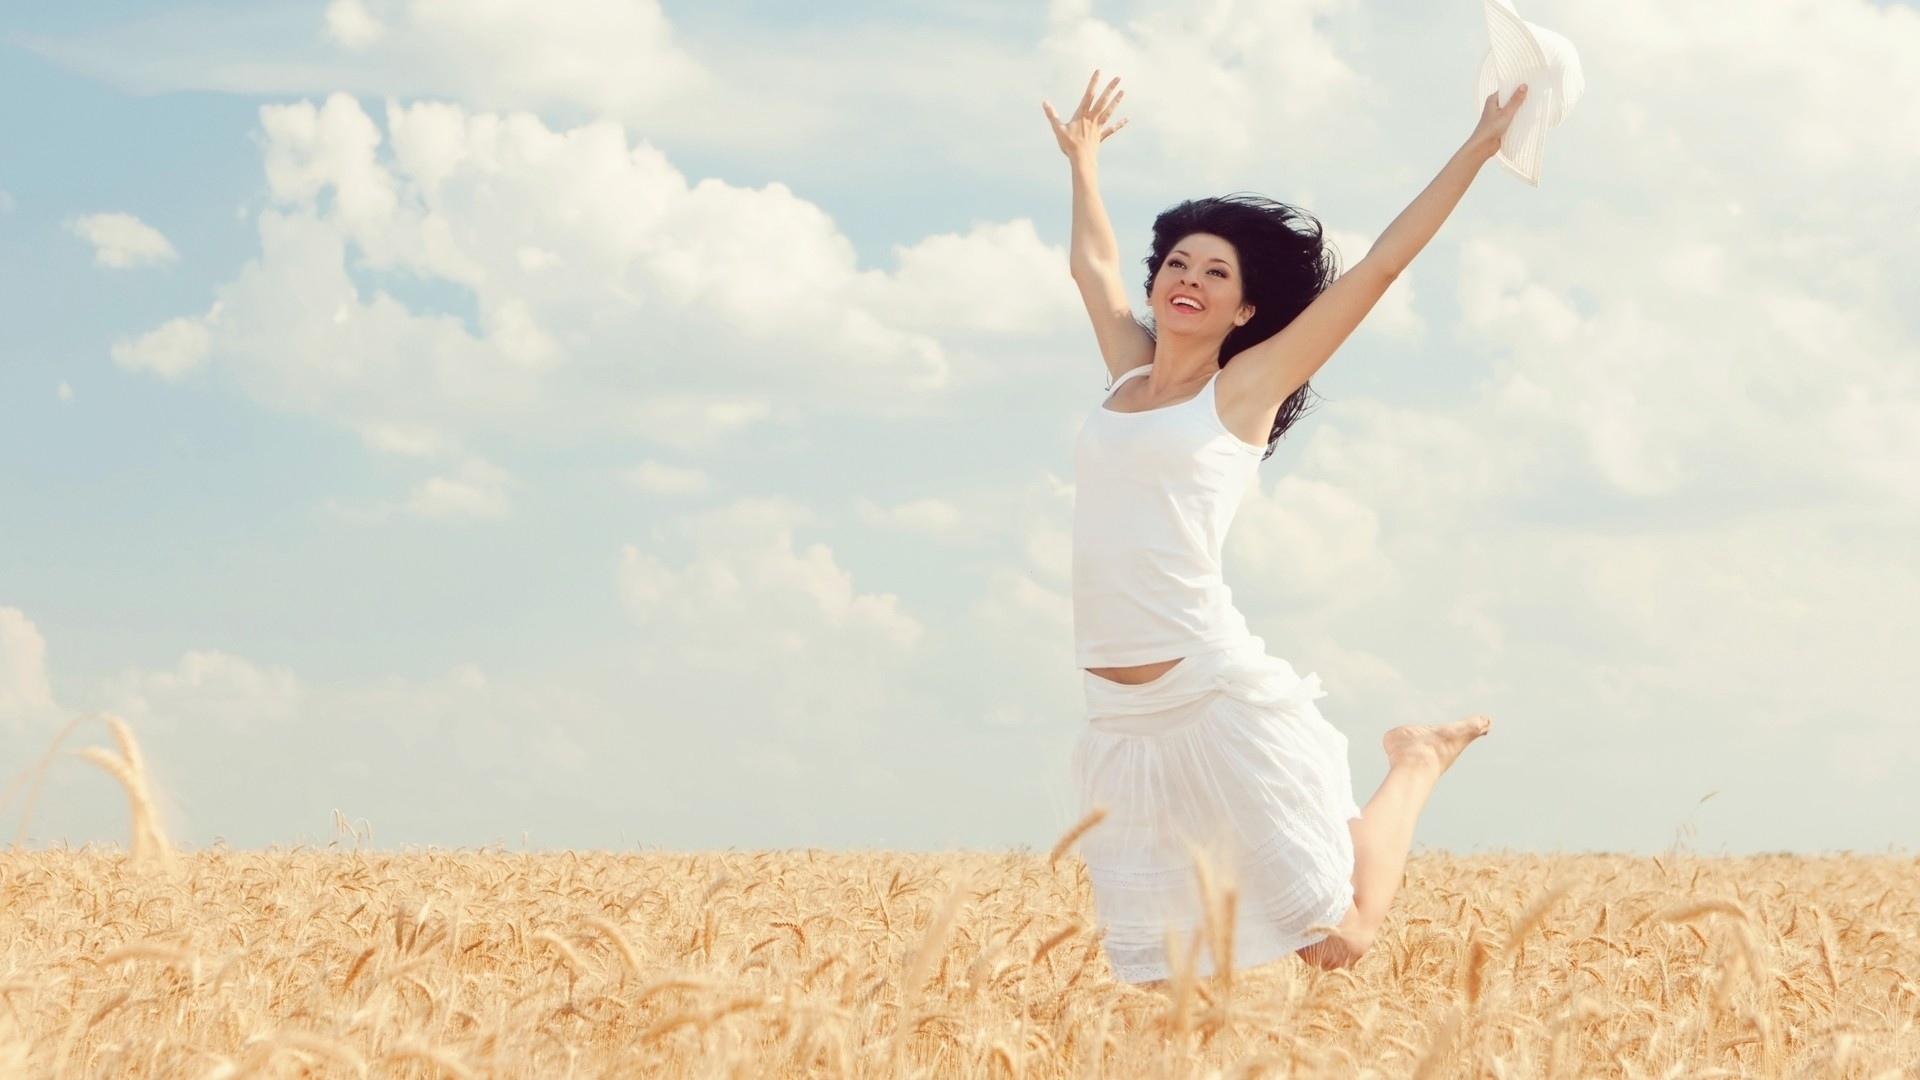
(750, 585)
(658, 478)
(619, 59)
(206, 688)
(931, 517)
(407, 440)
(169, 350)
(1215, 85)
(26, 695)
(998, 278)
(255, 753)
(122, 240)
(754, 644)
(477, 489)
(1308, 540)
(352, 25)
(595, 266)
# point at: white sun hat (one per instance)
(1550, 68)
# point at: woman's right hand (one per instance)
(1081, 134)
(1495, 119)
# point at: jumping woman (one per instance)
(1197, 740)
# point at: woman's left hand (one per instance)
(1495, 119)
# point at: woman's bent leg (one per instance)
(1383, 834)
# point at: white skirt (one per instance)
(1225, 754)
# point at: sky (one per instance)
(615, 423)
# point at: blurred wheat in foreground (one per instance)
(349, 963)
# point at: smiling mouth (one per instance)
(1185, 303)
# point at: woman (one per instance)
(1198, 743)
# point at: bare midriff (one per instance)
(1140, 673)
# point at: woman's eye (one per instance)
(1217, 272)
(1176, 264)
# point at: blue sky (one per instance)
(630, 423)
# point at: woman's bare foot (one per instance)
(1432, 746)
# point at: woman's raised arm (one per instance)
(1094, 254)
(1280, 364)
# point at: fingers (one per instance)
(1097, 109)
(1086, 99)
(1052, 117)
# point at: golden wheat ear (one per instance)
(1080, 829)
(147, 838)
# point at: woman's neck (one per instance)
(1180, 358)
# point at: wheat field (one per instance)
(352, 962)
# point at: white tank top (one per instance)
(1154, 493)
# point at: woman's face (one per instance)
(1197, 291)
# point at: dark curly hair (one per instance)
(1284, 263)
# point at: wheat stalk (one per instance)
(1080, 829)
